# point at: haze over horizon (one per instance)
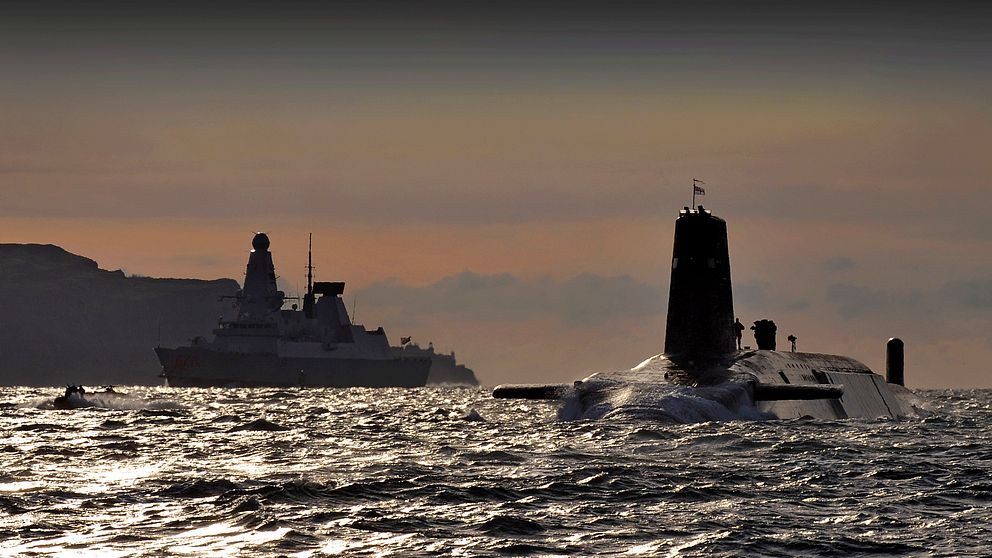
(503, 179)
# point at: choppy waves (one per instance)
(452, 472)
(104, 400)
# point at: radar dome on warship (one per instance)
(265, 345)
(700, 350)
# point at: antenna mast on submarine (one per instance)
(308, 300)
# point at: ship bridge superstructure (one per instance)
(262, 325)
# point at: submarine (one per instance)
(701, 358)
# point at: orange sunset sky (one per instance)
(503, 180)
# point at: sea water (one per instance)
(452, 472)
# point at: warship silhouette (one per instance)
(266, 345)
(701, 352)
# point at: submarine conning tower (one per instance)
(700, 301)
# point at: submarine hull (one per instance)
(772, 384)
(200, 367)
(864, 393)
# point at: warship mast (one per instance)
(308, 300)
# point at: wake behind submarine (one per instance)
(701, 357)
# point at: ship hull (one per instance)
(198, 367)
(810, 383)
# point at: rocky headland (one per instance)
(65, 320)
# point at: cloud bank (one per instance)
(583, 300)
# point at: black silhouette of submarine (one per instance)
(701, 351)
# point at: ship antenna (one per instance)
(310, 265)
(308, 300)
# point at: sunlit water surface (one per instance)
(416, 473)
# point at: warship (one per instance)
(266, 345)
(701, 357)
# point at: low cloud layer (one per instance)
(589, 300)
(583, 299)
(506, 325)
(956, 299)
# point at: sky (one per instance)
(502, 179)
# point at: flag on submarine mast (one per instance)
(697, 190)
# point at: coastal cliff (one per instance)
(65, 320)
(445, 370)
